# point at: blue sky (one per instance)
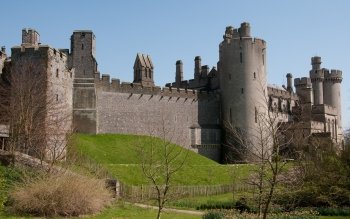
(168, 30)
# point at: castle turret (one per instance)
(83, 59)
(317, 77)
(179, 73)
(289, 77)
(143, 70)
(197, 67)
(303, 88)
(243, 79)
(30, 37)
(332, 91)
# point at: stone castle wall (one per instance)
(188, 118)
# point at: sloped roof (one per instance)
(144, 60)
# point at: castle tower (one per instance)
(317, 77)
(82, 59)
(289, 77)
(143, 70)
(242, 65)
(30, 37)
(179, 73)
(83, 51)
(197, 67)
(332, 91)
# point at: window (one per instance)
(263, 59)
(70, 74)
(56, 73)
(254, 75)
(241, 57)
(242, 90)
(256, 115)
(56, 97)
(82, 46)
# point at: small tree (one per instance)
(263, 148)
(39, 123)
(160, 161)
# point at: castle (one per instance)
(191, 112)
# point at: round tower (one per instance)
(289, 77)
(317, 77)
(243, 80)
(332, 91)
(179, 73)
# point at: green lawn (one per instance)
(119, 155)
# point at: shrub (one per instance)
(217, 205)
(214, 215)
(60, 195)
(2, 191)
(333, 211)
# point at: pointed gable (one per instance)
(143, 60)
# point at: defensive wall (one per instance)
(185, 117)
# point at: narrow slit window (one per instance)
(56, 73)
(256, 115)
(56, 97)
(254, 75)
(263, 59)
(242, 90)
(82, 46)
(241, 57)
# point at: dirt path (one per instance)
(170, 209)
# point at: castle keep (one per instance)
(191, 113)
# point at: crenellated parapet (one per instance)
(104, 83)
(302, 82)
(335, 76)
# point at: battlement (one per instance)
(30, 37)
(114, 85)
(334, 75)
(280, 92)
(302, 82)
(39, 50)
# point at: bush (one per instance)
(60, 195)
(217, 205)
(333, 211)
(2, 191)
(214, 215)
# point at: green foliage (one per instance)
(333, 211)
(217, 205)
(3, 195)
(214, 215)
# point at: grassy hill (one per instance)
(119, 155)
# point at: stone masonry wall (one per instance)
(186, 121)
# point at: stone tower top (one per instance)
(30, 37)
(244, 30)
(316, 62)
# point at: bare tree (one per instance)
(263, 148)
(160, 161)
(38, 122)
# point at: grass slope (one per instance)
(118, 154)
